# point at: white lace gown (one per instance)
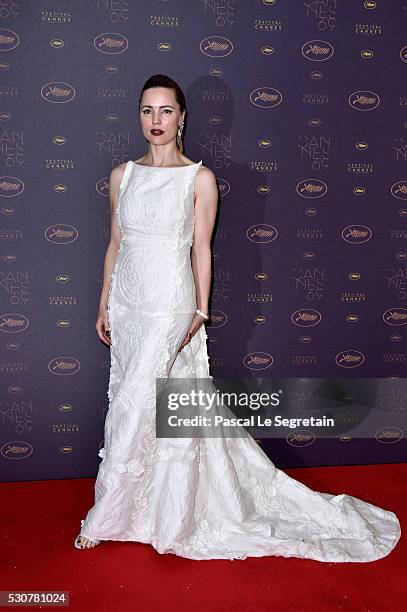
(219, 498)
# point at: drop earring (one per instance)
(179, 136)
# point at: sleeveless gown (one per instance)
(199, 498)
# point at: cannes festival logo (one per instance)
(61, 233)
(216, 46)
(262, 232)
(64, 366)
(10, 186)
(399, 190)
(12, 323)
(311, 188)
(395, 316)
(58, 92)
(266, 97)
(8, 40)
(317, 50)
(258, 360)
(111, 43)
(349, 358)
(364, 100)
(356, 234)
(306, 317)
(17, 449)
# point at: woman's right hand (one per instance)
(102, 326)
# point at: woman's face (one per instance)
(159, 111)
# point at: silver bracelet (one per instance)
(205, 316)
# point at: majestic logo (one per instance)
(10, 186)
(64, 366)
(356, 234)
(224, 187)
(317, 50)
(58, 92)
(61, 233)
(216, 46)
(111, 43)
(311, 188)
(266, 97)
(8, 39)
(12, 323)
(395, 316)
(301, 438)
(258, 360)
(399, 190)
(262, 233)
(389, 435)
(306, 317)
(218, 318)
(403, 53)
(349, 359)
(57, 43)
(102, 186)
(364, 100)
(16, 450)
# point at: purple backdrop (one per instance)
(300, 109)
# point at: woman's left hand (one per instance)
(197, 322)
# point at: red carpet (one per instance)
(41, 518)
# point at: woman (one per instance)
(200, 498)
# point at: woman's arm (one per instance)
(112, 252)
(206, 202)
(115, 234)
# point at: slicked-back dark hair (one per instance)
(162, 80)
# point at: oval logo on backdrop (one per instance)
(311, 188)
(403, 53)
(364, 100)
(389, 435)
(300, 438)
(216, 46)
(399, 190)
(356, 234)
(61, 233)
(218, 319)
(317, 50)
(58, 92)
(306, 317)
(262, 233)
(395, 316)
(10, 186)
(64, 366)
(224, 187)
(16, 449)
(8, 39)
(56, 43)
(266, 97)
(102, 186)
(349, 359)
(11, 323)
(258, 360)
(111, 43)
